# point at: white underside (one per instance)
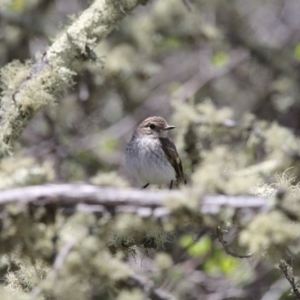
(147, 163)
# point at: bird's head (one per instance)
(155, 126)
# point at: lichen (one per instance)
(17, 171)
(109, 179)
(270, 234)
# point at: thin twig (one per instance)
(187, 5)
(187, 90)
(57, 266)
(148, 287)
(288, 273)
(199, 80)
(226, 248)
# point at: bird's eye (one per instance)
(152, 126)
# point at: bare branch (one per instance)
(187, 5)
(199, 80)
(148, 287)
(123, 200)
(226, 248)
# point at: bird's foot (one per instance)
(145, 185)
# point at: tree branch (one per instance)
(288, 273)
(53, 73)
(57, 266)
(226, 248)
(123, 200)
(149, 289)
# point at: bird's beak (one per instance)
(169, 127)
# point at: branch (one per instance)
(53, 73)
(58, 264)
(288, 273)
(148, 287)
(124, 200)
(210, 73)
(226, 248)
(187, 5)
(277, 59)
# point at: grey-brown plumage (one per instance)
(151, 157)
(173, 157)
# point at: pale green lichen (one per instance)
(28, 275)
(270, 233)
(130, 230)
(20, 171)
(12, 76)
(87, 266)
(24, 94)
(227, 155)
(230, 159)
(40, 85)
(7, 294)
(25, 231)
(163, 261)
(109, 179)
(135, 294)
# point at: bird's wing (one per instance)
(173, 157)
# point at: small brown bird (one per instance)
(151, 157)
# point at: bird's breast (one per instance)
(147, 162)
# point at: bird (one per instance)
(151, 156)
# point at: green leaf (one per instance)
(17, 5)
(220, 59)
(172, 42)
(211, 267)
(186, 241)
(297, 52)
(221, 263)
(196, 249)
(228, 264)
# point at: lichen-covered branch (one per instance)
(27, 88)
(288, 273)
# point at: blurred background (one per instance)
(240, 54)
